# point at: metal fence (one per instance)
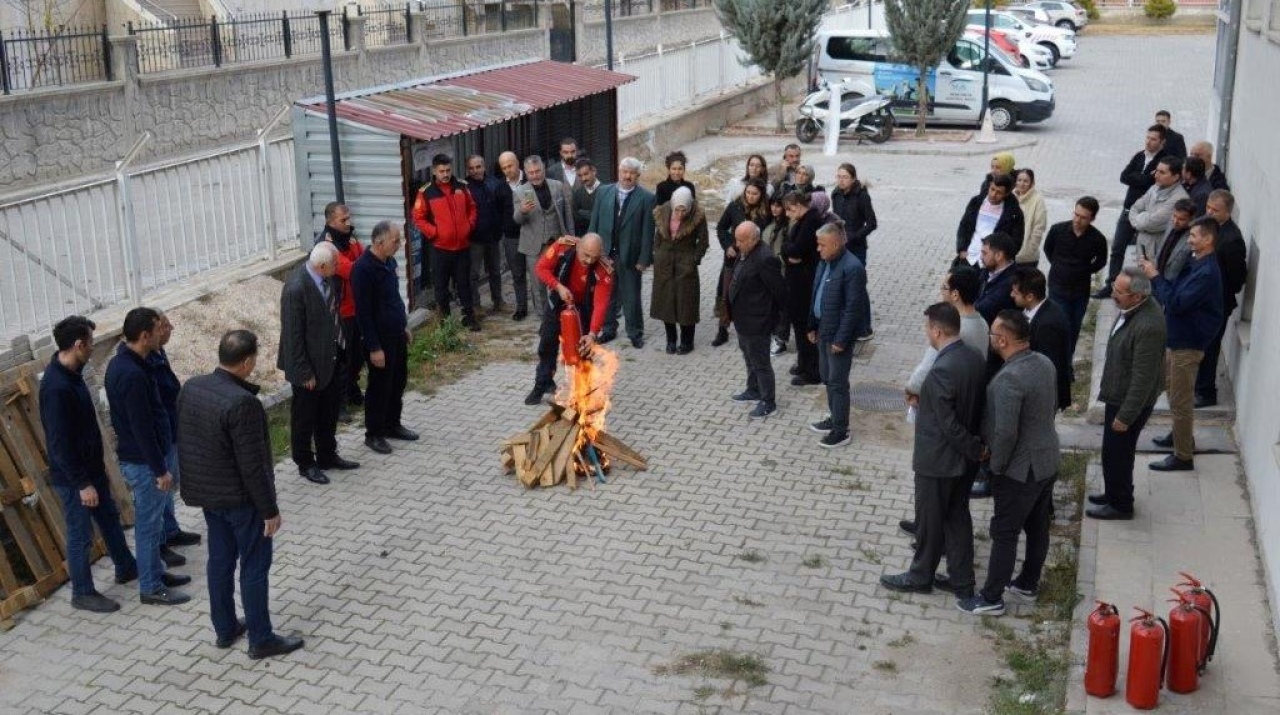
(386, 25)
(680, 76)
(593, 10)
(213, 42)
(464, 18)
(121, 238)
(53, 58)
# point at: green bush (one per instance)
(1159, 9)
(1090, 9)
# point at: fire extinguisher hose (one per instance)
(1217, 627)
(1164, 658)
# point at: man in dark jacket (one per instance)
(852, 203)
(1193, 313)
(757, 297)
(311, 345)
(144, 446)
(1050, 332)
(446, 215)
(486, 239)
(998, 251)
(836, 310)
(1139, 176)
(169, 385)
(1075, 249)
(1195, 184)
(1174, 143)
(1132, 378)
(996, 211)
(517, 264)
(945, 459)
(77, 471)
(385, 332)
(1233, 260)
(584, 195)
(225, 456)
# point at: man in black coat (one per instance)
(1050, 330)
(756, 298)
(1076, 249)
(513, 177)
(1139, 176)
(225, 458)
(1233, 260)
(998, 251)
(486, 238)
(945, 458)
(1174, 143)
(311, 346)
(996, 211)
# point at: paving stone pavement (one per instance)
(429, 582)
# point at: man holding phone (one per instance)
(1151, 214)
(543, 208)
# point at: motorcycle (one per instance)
(860, 117)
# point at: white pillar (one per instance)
(833, 121)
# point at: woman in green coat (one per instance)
(679, 243)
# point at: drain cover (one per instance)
(877, 398)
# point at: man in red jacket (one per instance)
(445, 213)
(339, 232)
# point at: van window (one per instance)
(965, 56)
(865, 49)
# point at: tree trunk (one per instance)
(922, 102)
(777, 103)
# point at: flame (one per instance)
(587, 392)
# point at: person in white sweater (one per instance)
(1036, 220)
(959, 288)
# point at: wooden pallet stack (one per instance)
(557, 449)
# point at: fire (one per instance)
(589, 385)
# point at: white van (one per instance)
(861, 60)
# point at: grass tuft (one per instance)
(747, 668)
(752, 556)
(814, 561)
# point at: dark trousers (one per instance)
(1207, 375)
(760, 380)
(549, 343)
(384, 396)
(80, 520)
(1118, 450)
(625, 301)
(518, 265)
(1075, 308)
(453, 267)
(235, 537)
(834, 369)
(486, 264)
(863, 328)
(352, 361)
(944, 525)
(1020, 507)
(1119, 244)
(685, 335)
(806, 352)
(313, 418)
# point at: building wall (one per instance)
(31, 14)
(1254, 173)
(642, 33)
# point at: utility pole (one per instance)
(326, 59)
(608, 33)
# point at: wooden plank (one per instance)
(548, 450)
(522, 438)
(614, 447)
(9, 583)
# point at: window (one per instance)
(965, 56)
(866, 49)
(1250, 283)
(1253, 10)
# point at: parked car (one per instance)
(1070, 15)
(1022, 52)
(1059, 41)
(1029, 14)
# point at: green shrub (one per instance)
(1090, 9)
(1159, 9)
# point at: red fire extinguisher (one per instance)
(570, 334)
(1104, 651)
(1148, 657)
(1185, 629)
(1207, 603)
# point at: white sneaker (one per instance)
(779, 347)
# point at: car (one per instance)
(1022, 52)
(1029, 14)
(1069, 15)
(1061, 42)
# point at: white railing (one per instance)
(679, 76)
(118, 239)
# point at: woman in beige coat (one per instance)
(1037, 218)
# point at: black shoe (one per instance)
(606, 337)
(778, 347)
(822, 426)
(173, 580)
(278, 645)
(902, 583)
(942, 582)
(164, 597)
(1165, 441)
(127, 577)
(1203, 401)
(344, 415)
(172, 558)
(908, 527)
(746, 396)
(1106, 512)
(794, 370)
(356, 400)
(1103, 293)
(471, 324)
(377, 444)
(981, 489)
(520, 314)
(1099, 499)
(684, 350)
(1172, 464)
(763, 409)
(336, 462)
(402, 433)
(801, 380)
(637, 342)
(722, 337)
(314, 475)
(183, 538)
(535, 395)
(671, 347)
(835, 439)
(94, 603)
(225, 643)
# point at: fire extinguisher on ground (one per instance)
(1104, 651)
(1185, 644)
(1207, 604)
(1148, 658)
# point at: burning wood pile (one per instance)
(569, 443)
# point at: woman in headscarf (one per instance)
(679, 243)
(676, 162)
(1036, 217)
(1001, 165)
(750, 206)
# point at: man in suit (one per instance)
(1174, 142)
(996, 211)
(311, 346)
(623, 216)
(565, 170)
(543, 208)
(945, 458)
(756, 298)
(1022, 442)
(1132, 378)
(1138, 175)
(836, 310)
(1050, 331)
(1233, 260)
(1174, 251)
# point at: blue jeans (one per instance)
(148, 525)
(170, 517)
(236, 535)
(80, 534)
(834, 369)
(1075, 308)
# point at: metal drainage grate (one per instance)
(877, 398)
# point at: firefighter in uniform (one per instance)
(575, 272)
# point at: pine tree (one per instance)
(923, 32)
(777, 35)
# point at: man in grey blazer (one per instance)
(543, 208)
(945, 458)
(311, 342)
(623, 216)
(1022, 401)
